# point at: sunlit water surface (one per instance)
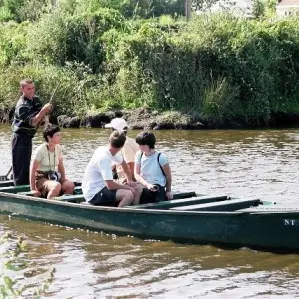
(251, 164)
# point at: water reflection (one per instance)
(94, 265)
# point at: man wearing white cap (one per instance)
(128, 151)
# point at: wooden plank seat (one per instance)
(77, 191)
(225, 206)
(16, 189)
(78, 198)
(182, 195)
(165, 205)
(8, 183)
(26, 193)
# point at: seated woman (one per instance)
(47, 173)
(152, 170)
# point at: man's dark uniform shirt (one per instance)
(25, 110)
(23, 130)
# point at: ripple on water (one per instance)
(260, 164)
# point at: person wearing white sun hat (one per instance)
(128, 151)
(118, 124)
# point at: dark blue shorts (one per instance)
(149, 196)
(105, 197)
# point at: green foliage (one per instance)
(21, 10)
(128, 8)
(60, 37)
(228, 69)
(258, 8)
(5, 14)
(13, 262)
(13, 42)
(70, 98)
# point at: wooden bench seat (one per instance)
(163, 205)
(71, 198)
(15, 189)
(5, 183)
(67, 197)
(226, 206)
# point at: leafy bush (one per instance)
(61, 37)
(227, 69)
(71, 95)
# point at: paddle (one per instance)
(5, 177)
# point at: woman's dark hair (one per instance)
(50, 130)
(146, 138)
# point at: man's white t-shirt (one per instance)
(150, 168)
(98, 171)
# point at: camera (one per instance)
(53, 176)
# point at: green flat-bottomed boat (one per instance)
(189, 217)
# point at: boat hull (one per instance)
(262, 230)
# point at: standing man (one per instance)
(29, 112)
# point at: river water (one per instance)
(59, 262)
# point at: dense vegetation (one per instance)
(126, 53)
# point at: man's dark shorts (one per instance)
(149, 196)
(105, 197)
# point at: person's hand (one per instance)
(35, 193)
(169, 195)
(45, 120)
(131, 184)
(47, 108)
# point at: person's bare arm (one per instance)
(167, 172)
(127, 171)
(139, 178)
(40, 116)
(131, 166)
(33, 168)
(61, 168)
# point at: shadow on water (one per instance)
(247, 163)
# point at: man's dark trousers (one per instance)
(21, 145)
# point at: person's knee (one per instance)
(128, 195)
(138, 188)
(68, 187)
(56, 187)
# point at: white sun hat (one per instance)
(118, 124)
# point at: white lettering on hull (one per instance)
(290, 222)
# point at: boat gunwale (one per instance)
(139, 211)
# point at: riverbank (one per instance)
(148, 119)
(144, 119)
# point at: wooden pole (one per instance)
(188, 9)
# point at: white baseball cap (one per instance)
(118, 124)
